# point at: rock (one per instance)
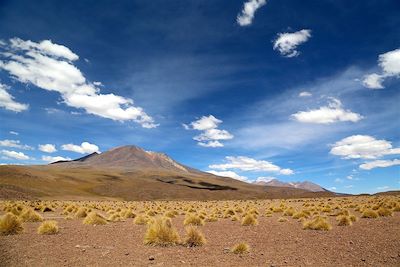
(126, 253)
(227, 250)
(151, 258)
(83, 250)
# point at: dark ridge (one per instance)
(76, 160)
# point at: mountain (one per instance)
(128, 158)
(131, 173)
(306, 185)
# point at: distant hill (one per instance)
(306, 185)
(132, 173)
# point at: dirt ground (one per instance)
(368, 242)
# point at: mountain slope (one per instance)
(306, 185)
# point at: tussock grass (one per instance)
(344, 220)
(194, 237)
(318, 223)
(93, 218)
(193, 219)
(249, 220)
(48, 228)
(81, 213)
(160, 232)
(29, 215)
(141, 219)
(370, 214)
(384, 212)
(10, 224)
(282, 219)
(241, 248)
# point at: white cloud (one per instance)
(211, 135)
(331, 113)
(84, 148)
(363, 146)
(14, 133)
(250, 164)
(379, 164)
(332, 188)
(48, 148)
(230, 174)
(390, 64)
(7, 101)
(250, 7)
(15, 155)
(305, 94)
(50, 66)
(15, 144)
(51, 159)
(348, 186)
(338, 180)
(287, 43)
(385, 187)
(373, 81)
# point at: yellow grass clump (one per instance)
(344, 220)
(194, 237)
(370, 214)
(241, 248)
(29, 215)
(160, 232)
(141, 219)
(193, 219)
(384, 212)
(318, 223)
(282, 219)
(10, 224)
(94, 219)
(48, 228)
(81, 213)
(249, 219)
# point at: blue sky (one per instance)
(296, 90)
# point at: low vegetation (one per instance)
(48, 228)
(160, 232)
(241, 248)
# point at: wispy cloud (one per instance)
(250, 7)
(286, 43)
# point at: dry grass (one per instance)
(344, 220)
(193, 219)
(29, 215)
(93, 218)
(160, 232)
(10, 224)
(318, 223)
(194, 237)
(384, 212)
(48, 228)
(370, 214)
(241, 248)
(282, 219)
(249, 219)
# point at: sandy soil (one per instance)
(369, 242)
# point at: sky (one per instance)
(250, 89)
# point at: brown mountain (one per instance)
(130, 173)
(306, 185)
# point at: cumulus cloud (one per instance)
(250, 164)
(333, 112)
(48, 148)
(287, 43)
(390, 65)
(364, 147)
(51, 159)
(84, 148)
(15, 155)
(229, 174)
(265, 179)
(379, 164)
(250, 7)
(211, 135)
(14, 144)
(50, 66)
(7, 101)
(305, 94)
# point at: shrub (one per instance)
(344, 220)
(141, 219)
(48, 228)
(300, 214)
(368, 213)
(384, 212)
(29, 215)
(289, 212)
(194, 237)
(249, 219)
(10, 224)
(81, 213)
(241, 248)
(94, 219)
(160, 232)
(193, 219)
(318, 223)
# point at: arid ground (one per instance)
(120, 242)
